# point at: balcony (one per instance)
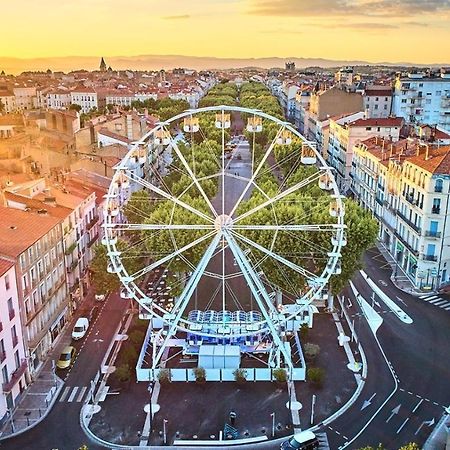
(379, 200)
(73, 266)
(433, 234)
(414, 252)
(93, 240)
(15, 376)
(408, 222)
(438, 189)
(92, 223)
(70, 249)
(2, 356)
(435, 210)
(12, 314)
(430, 257)
(15, 341)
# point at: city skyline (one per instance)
(282, 28)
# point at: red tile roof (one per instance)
(5, 265)
(378, 92)
(385, 122)
(19, 230)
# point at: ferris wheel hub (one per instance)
(224, 221)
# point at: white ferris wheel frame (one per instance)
(272, 319)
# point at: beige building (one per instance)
(33, 241)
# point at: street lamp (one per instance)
(165, 431)
(273, 424)
(151, 385)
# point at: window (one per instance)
(403, 100)
(17, 359)
(5, 374)
(438, 93)
(14, 336)
(438, 185)
(7, 286)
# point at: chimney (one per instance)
(427, 152)
(391, 150)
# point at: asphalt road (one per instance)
(61, 428)
(418, 353)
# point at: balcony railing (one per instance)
(92, 223)
(15, 341)
(434, 234)
(2, 356)
(411, 224)
(405, 243)
(93, 240)
(15, 376)
(73, 266)
(71, 248)
(438, 189)
(435, 210)
(430, 257)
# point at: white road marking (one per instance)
(417, 406)
(64, 394)
(424, 296)
(73, 393)
(81, 394)
(432, 297)
(435, 301)
(447, 309)
(442, 304)
(402, 425)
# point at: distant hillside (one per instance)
(151, 62)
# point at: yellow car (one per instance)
(66, 358)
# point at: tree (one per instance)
(74, 107)
(316, 375)
(102, 281)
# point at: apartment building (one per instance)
(58, 99)
(324, 104)
(26, 97)
(75, 206)
(33, 241)
(406, 186)
(346, 131)
(423, 98)
(8, 100)
(85, 97)
(378, 102)
(13, 363)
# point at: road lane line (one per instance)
(81, 394)
(64, 394)
(402, 425)
(417, 406)
(73, 393)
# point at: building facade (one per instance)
(13, 363)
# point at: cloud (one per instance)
(361, 26)
(179, 17)
(377, 8)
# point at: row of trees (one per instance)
(220, 94)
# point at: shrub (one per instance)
(136, 337)
(128, 354)
(280, 375)
(164, 376)
(304, 330)
(240, 375)
(316, 375)
(199, 373)
(123, 372)
(311, 350)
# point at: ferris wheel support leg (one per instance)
(186, 295)
(261, 297)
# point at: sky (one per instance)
(415, 31)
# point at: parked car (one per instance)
(66, 358)
(305, 440)
(80, 328)
(100, 297)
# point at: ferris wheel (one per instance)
(240, 228)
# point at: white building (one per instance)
(346, 131)
(406, 185)
(58, 99)
(13, 363)
(8, 101)
(421, 98)
(26, 97)
(378, 102)
(84, 97)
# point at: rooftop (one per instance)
(20, 229)
(5, 265)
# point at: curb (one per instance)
(46, 413)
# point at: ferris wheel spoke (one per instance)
(167, 196)
(289, 227)
(166, 258)
(191, 285)
(158, 227)
(281, 195)
(301, 270)
(256, 172)
(191, 174)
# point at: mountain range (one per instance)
(154, 62)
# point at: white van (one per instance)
(80, 328)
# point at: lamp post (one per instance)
(273, 424)
(151, 385)
(165, 431)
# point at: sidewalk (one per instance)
(39, 397)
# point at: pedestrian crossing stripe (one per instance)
(447, 309)
(436, 301)
(72, 394)
(444, 304)
(424, 296)
(432, 297)
(441, 302)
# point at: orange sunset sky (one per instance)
(371, 30)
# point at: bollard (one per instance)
(40, 413)
(28, 421)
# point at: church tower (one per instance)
(102, 65)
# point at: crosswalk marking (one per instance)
(432, 297)
(447, 309)
(72, 394)
(435, 301)
(424, 296)
(81, 394)
(64, 394)
(442, 303)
